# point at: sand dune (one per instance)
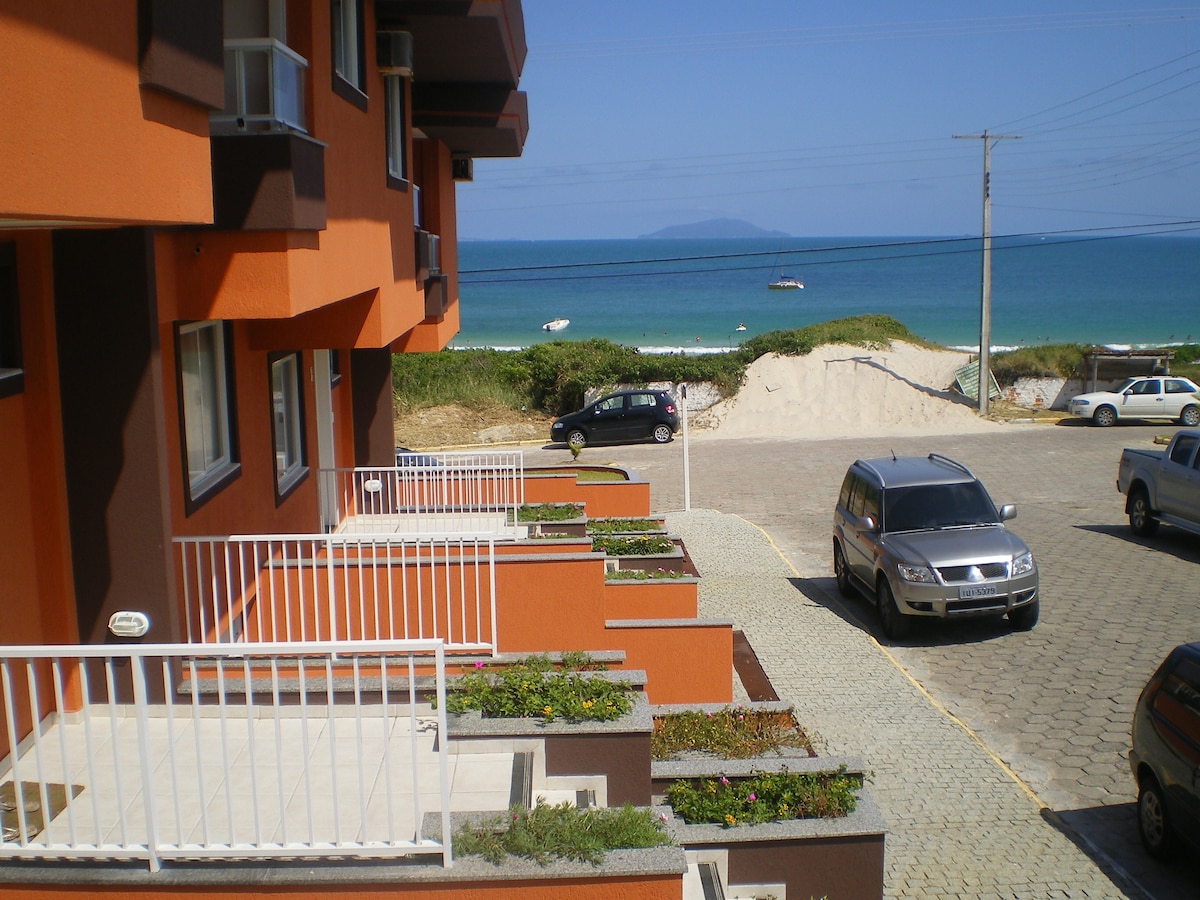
(845, 391)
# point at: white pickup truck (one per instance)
(1162, 485)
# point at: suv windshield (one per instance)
(929, 506)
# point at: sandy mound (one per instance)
(844, 391)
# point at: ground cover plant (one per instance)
(632, 546)
(535, 687)
(642, 574)
(764, 797)
(622, 526)
(554, 376)
(735, 732)
(549, 512)
(562, 831)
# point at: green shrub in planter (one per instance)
(622, 526)
(562, 831)
(633, 546)
(735, 732)
(764, 797)
(534, 688)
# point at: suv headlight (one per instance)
(1023, 564)
(919, 574)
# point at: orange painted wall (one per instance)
(365, 250)
(625, 499)
(543, 606)
(650, 599)
(38, 597)
(646, 887)
(684, 663)
(81, 140)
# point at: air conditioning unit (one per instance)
(394, 52)
(462, 168)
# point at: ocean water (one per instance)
(692, 294)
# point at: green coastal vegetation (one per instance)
(554, 376)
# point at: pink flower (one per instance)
(479, 664)
(724, 780)
(752, 798)
(662, 816)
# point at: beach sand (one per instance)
(839, 390)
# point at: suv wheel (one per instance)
(1153, 824)
(896, 625)
(841, 571)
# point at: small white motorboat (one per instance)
(741, 327)
(786, 283)
(556, 325)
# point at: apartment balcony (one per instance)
(274, 751)
(268, 173)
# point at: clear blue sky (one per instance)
(837, 118)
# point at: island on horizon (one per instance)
(714, 228)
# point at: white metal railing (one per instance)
(264, 84)
(468, 493)
(342, 587)
(121, 755)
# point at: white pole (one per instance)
(687, 472)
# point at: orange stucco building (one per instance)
(217, 221)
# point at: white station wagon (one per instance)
(1152, 397)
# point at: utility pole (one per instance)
(985, 301)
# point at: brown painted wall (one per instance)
(835, 867)
(652, 599)
(621, 499)
(624, 759)
(112, 419)
(82, 140)
(684, 663)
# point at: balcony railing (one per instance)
(264, 86)
(339, 587)
(445, 493)
(120, 753)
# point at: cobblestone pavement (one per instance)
(999, 756)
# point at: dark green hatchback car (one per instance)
(1165, 757)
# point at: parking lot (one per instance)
(1053, 704)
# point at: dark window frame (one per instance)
(12, 370)
(396, 84)
(286, 487)
(348, 90)
(194, 499)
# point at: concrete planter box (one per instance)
(618, 751)
(838, 857)
(652, 873)
(676, 560)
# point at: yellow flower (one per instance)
(547, 710)
(730, 820)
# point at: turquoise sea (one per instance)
(692, 294)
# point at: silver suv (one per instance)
(921, 537)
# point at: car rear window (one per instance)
(1178, 702)
(641, 400)
(1182, 451)
(937, 506)
(1175, 386)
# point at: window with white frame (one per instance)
(397, 157)
(346, 28)
(287, 423)
(205, 390)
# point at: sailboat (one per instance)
(784, 282)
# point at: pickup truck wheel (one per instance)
(1104, 416)
(1023, 618)
(1142, 523)
(895, 624)
(1190, 417)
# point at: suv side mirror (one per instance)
(867, 523)
(1008, 511)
